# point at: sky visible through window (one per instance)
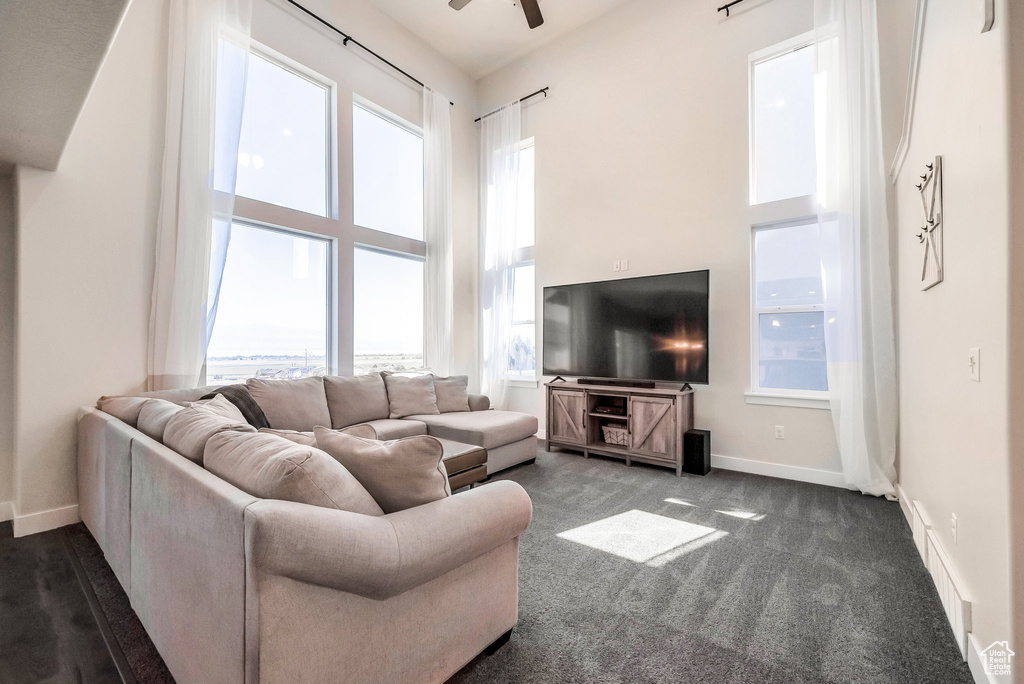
(388, 316)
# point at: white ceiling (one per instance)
(488, 34)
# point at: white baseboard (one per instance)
(6, 511)
(786, 472)
(42, 521)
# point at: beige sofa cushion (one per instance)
(452, 393)
(309, 439)
(218, 406)
(400, 474)
(395, 429)
(358, 399)
(125, 409)
(180, 396)
(291, 404)
(154, 416)
(489, 429)
(189, 429)
(411, 395)
(270, 467)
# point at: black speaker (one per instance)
(697, 452)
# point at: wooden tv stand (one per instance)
(655, 421)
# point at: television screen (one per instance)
(649, 328)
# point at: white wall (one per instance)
(954, 452)
(8, 285)
(87, 231)
(642, 154)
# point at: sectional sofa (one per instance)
(232, 587)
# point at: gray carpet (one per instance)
(802, 583)
(725, 578)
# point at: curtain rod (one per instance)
(349, 39)
(522, 99)
(727, 5)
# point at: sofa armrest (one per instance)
(381, 557)
(479, 402)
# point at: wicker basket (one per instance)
(618, 436)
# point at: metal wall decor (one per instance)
(930, 235)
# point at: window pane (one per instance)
(282, 151)
(387, 163)
(388, 325)
(788, 266)
(525, 231)
(272, 317)
(523, 358)
(793, 351)
(783, 127)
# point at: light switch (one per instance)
(974, 363)
(616, 265)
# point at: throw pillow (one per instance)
(452, 393)
(411, 396)
(125, 409)
(269, 467)
(155, 415)
(189, 429)
(219, 405)
(291, 404)
(356, 399)
(240, 396)
(400, 474)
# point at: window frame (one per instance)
(775, 214)
(300, 53)
(526, 256)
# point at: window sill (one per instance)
(519, 382)
(787, 400)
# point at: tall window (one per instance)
(387, 161)
(273, 314)
(388, 319)
(523, 356)
(387, 158)
(787, 292)
(274, 307)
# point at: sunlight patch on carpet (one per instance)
(640, 536)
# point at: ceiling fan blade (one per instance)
(458, 4)
(532, 11)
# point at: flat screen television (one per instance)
(648, 328)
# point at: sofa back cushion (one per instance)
(356, 399)
(189, 429)
(217, 406)
(270, 467)
(125, 409)
(411, 396)
(307, 438)
(154, 416)
(452, 393)
(399, 475)
(291, 404)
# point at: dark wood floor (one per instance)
(48, 632)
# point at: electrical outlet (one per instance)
(780, 432)
(974, 363)
(625, 264)
(953, 528)
(616, 265)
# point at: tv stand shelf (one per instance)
(655, 420)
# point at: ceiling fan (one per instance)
(530, 8)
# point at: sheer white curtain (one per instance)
(859, 329)
(208, 56)
(500, 136)
(437, 229)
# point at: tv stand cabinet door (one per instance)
(568, 416)
(653, 426)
